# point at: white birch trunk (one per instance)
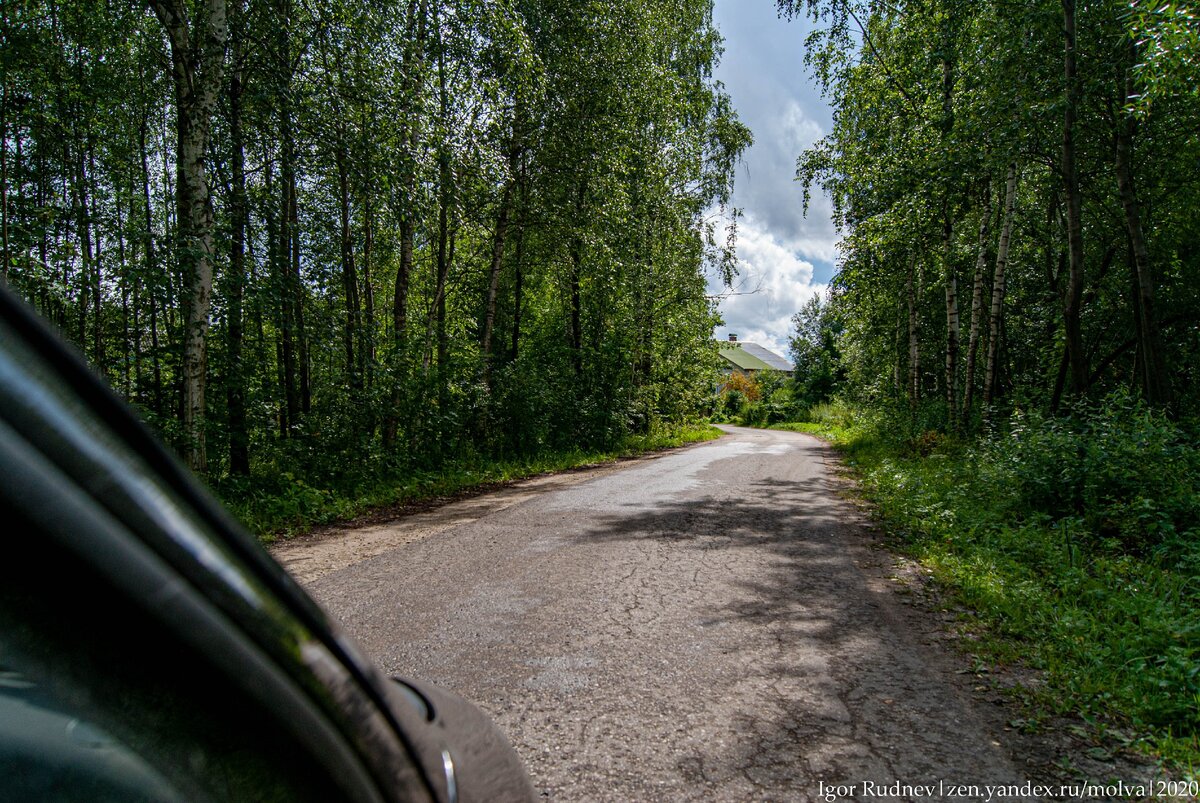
(977, 301)
(1010, 203)
(197, 76)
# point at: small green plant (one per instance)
(279, 504)
(1074, 540)
(926, 443)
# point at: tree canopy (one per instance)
(1016, 189)
(315, 238)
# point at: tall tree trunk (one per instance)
(235, 389)
(148, 232)
(1060, 380)
(950, 276)
(197, 61)
(99, 358)
(949, 271)
(1072, 312)
(123, 278)
(366, 329)
(83, 226)
(4, 254)
(898, 362)
(298, 294)
(576, 332)
(518, 287)
(366, 349)
(998, 286)
(518, 261)
(914, 344)
(349, 273)
(136, 307)
(412, 62)
(51, 304)
(400, 296)
(1152, 375)
(977, 300)
(498, 238)
(156, 357)
(286, 297)
(445, 207)
(52, 309)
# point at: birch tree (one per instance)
(197, 41)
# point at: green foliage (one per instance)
(1168, 36)
(731, 404)
(763, 398)
(1126, 473)
(281, 504)
(774, 400)
(444, 234)
(1075, 544)
(932, 105)
(819, 370)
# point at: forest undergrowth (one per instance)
(1073, 542)
(277, 502)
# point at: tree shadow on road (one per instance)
(836, 684)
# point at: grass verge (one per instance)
(1074, 546)
(285, 505)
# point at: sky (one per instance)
(784, 257)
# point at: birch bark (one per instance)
(977, 301)
(998, 279)
(197, 64)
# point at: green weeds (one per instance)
(1075, 540)
(282, 504)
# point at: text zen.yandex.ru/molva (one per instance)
(945, 790)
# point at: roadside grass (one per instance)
(1074, 544)
(274, 506)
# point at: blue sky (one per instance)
(784, 257)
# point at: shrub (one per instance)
(1074, 539)
(745, 385)
(1129, 473)
(732, 402)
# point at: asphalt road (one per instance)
(708, 624)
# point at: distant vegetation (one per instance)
(1017, 195)
(283, 504)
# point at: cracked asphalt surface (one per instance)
(708, 624)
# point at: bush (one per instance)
(732, 403)
(1127, 472)
(836, 413)
(1074, 539)
(746, 386)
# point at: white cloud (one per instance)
(764, 73)
(801, 131)
(773, 283)
(785, 257)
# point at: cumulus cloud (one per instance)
(764, 74)
(785, 257)
(774, 281)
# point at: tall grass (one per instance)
(281, 504)
(1075, 540)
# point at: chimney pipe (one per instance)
(732, 338)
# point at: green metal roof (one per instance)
(740, 357)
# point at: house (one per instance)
(750, 358)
